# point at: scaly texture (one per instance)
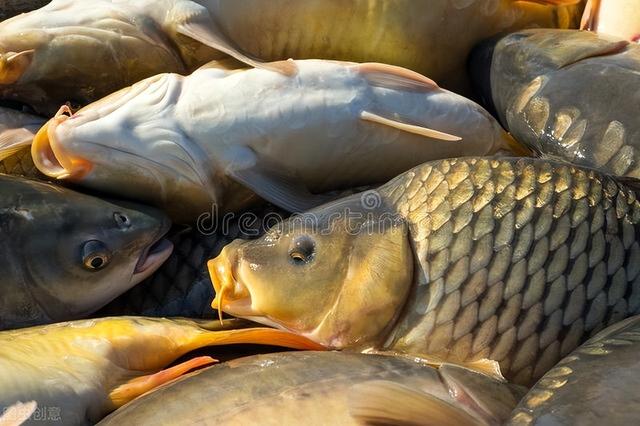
(21, 164)
(521, 260)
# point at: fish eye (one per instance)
(303, 250)
(122, 220)
(95, 255)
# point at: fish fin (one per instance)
(256, 336)
(230, 65)
(283, 190)
(14, 140)
(513, 146)
(195, 21)
(590, 17)
(494, 400)
(18, 413)
(140, 385)
(394, 77)
(13, 65)
(386, 402)
(410, 128)
(551, 2)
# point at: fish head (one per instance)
(338, 274)
(88, 251)
(79, 51)
(129, 145)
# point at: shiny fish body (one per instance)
(513, 260)
(50, 236)
(85, 369)
(279, 388)
(569, 95)
(217, 137)
(82, 50)
(596, 381)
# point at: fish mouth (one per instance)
(151, 259)
(232, 296)
(49, 155)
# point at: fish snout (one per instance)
(232, 296)
(50, 156)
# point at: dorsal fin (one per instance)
(393, 77)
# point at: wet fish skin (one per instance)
(182, 286)
(277, 388)
(51, 237)
(79, 56)
(565, 95)
(217, 155)
(88, 368)
(514, 260)
(595, 382)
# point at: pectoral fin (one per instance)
(394, 77)
(18, 413)
(282, 190)
(140, 385)
(14, 140)
(410, 128)
(195, 21)
(590, 16)
(386, 402)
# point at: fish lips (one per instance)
(154, 255)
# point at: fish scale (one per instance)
(20, 164)
(538, 257)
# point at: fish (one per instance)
(66, 254)
(329, 388)
(17, 130)
(182, 286)
(87, 368)
(564, 95)
(596, 381)
(79, 51)
(513, 260)
(215, 139)
(11, 8)
(615, 17)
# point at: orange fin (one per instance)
(258, 336)
(13, 65)
(140, 385)
(551, 2)
(18, 413)
(410, 128)
(394, 77)
(590, 16)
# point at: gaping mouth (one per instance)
(231, 295)
(49, 155)
(151, 259)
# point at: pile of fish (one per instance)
(432, 205)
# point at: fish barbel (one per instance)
(512, 260)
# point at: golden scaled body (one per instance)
(520, 260)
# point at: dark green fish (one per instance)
(66, 254)
(567, 94)
(324, 388)
(597, 384)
